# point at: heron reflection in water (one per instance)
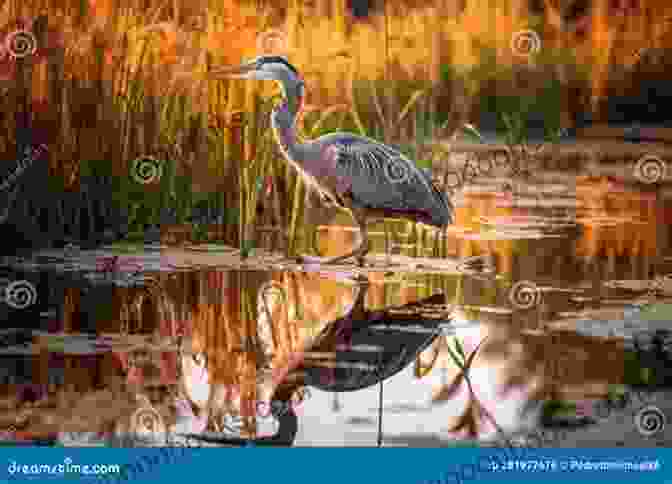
(378, 345)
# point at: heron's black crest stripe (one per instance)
(279, 60)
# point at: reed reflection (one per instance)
(191, 355)
(357, 349)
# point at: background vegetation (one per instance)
(115, 80)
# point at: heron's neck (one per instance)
(283, 120)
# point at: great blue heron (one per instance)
(368, 178)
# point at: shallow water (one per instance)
(570, 293)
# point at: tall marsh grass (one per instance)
(129, 81)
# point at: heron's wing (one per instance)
(382, 178)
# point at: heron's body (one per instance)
(354, 172)
(331, 162)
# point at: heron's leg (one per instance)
(358, 312)
(364, 247)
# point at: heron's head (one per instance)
(265, 68)
(269, 68)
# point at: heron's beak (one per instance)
(239, 72)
